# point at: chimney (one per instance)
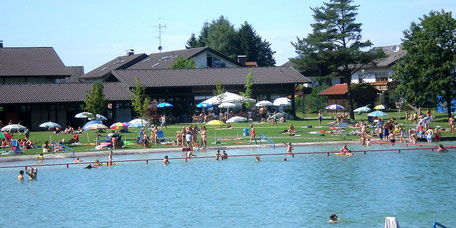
(1, 43)
(241, 59)
(130, 52)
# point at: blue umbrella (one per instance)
(89, 123)
(99, 117)
(203, 105)
(377, 113)
(164, 105)
(335, 107)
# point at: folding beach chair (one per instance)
(15, 147)
(161, 137)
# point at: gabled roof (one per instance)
(163, 60)
(209, 76)
(392, 55)
(31, 61)
(120, 62)
(338, 89)
(55, 93)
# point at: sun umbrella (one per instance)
(83, 115)
(203, 105)
(138, 123)
(96, 126)
(335, 107)
(236, 119)
(377, 114)
(89, 123)
(118, 126)
(425, 120)
(215, 123)
(98, 117)
(362, 109)
(50, 124)
(227, 105)
(164, 105)
(14, 127)
(226, 97)
(5, 135)
(381, 107)
(263, 103)
(282, 101)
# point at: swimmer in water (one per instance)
(21, 175)
(166, 161)
(349, 154)
(40, 158)
(333, 218)
(110, 158)
(224, 155)
(442, 149)
(217, 155)
(32, 173)
(343, 150)
(289, 147)
(77, 160)
(258, 158)
(284, 159)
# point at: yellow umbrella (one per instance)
(215, 123)
(381, 107)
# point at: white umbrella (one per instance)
(138, 123)
(98, 117)
(226, 97)
(96, 126)
(263, 103)
(50, 124)
(236, 119)
(83, 115)
(362, 109)
(381, 107)
(282, 101)
(426, 120)
(227, 105)
(14, 127)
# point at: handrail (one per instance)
(268, 139)
(438, 224)
(64, 147)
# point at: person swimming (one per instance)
(96, 164)
(40, 158)
(442, 149)
(217, 155)
(110, 158)
(258, 158)
(166, 161)
(343, 150)
(21, 175)
(349, 154)
(224, 155)
(284, 159)
(333, 218)
(32, 173)
(77, 160)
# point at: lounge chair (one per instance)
(15, 147)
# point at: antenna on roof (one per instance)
(160, 48)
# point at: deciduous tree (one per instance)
(95, 102)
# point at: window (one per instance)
(209, 61)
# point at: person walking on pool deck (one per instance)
(252, 134)
(21, 175)
(32, 173)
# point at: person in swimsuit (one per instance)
(343, 150)
(110, 158)
(333, 218)
(203, 132)
(442, 149)
(77, 160)
(217, 155)
(257, 158)
(40, 158)
(166, 161)
(32, 173)
(224, 155)
(350, 153)
(320, 118)
(21, 175)
(451, 122)
(252, 134)
(289, 147)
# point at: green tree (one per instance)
(428, 68)
(334, 48)
(219, 90)
(221, 36)
(192, 42)
(139, 100)
(364, 94)
(248, 91)
(95, 100)
(313, 102)
(182, 63)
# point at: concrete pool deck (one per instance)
(105, 153)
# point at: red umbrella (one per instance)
(5, 135)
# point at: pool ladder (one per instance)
(267, 139)
(436, 225)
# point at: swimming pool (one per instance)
(414, 186)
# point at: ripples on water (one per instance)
(414, 186)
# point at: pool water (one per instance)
(416, 187)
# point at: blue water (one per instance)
(416, 187)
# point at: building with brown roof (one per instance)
(337, 94)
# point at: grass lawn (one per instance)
(224, 135)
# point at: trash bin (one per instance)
(245, 132)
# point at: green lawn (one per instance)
(222, 132)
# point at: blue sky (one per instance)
(90, 33)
